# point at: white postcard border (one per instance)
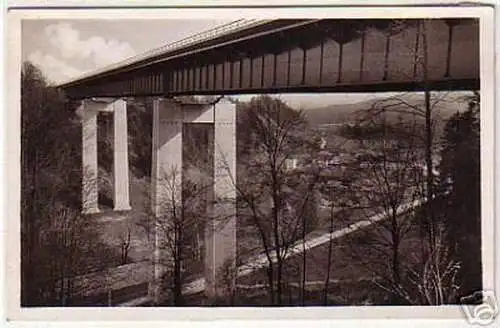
(12, 170)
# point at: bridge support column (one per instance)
(220, 233)
(166, 180)
(89, 158)
(120, 159)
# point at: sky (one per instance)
(65, 49)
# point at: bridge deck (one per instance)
(320, 55)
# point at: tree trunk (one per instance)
(277, 244)
(329, 263)
(428, 220)
(177, 283)
(304, 261)
(396, 277)
(270, 279)
(279, 273)
(429, 167)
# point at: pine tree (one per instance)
(460, 187)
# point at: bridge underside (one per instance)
(305, 56)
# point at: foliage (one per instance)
(140, 127)
(57, 243)
(460, 191)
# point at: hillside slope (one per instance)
(444, 106)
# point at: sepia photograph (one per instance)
(259, 162)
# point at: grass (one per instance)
(352, 270)
(114, 226)
(355, 268)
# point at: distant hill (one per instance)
(335, 114)
(343, 113)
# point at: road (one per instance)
(260, 261)
(314, 241)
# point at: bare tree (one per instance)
(426, 111)
(57, 242)
(125, 247)
(389, 174)
(176, 221)
(68, 246)
(432, 279)
(228, 273)
(433, 283)
(272, 199)
(330, 248)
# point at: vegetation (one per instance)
(460, 191)
(276, 202)
(429, 255)
(57, 243)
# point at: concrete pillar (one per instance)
(166, 175)
(120, 160)
(220, 234)
(89, 157)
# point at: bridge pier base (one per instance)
(220, 232)
(166, 183)
(166, 192)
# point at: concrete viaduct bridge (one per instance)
(254, 57)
